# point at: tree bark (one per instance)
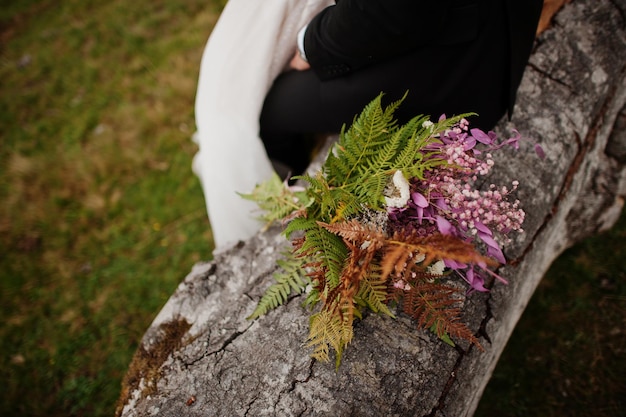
(202, 357)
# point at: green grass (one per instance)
(101, 217)
(567, 355)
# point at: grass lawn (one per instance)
(567, 355)
(101, 217)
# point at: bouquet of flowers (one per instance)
(393, 216)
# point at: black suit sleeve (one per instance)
(523, 19)
(357, 33)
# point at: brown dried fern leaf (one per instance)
(437, 306)
(363, 243)
(317, 275)
(434, 248)
(354, 231)
(395, 259)
(328, 329)
(357, 269)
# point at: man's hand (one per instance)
(298, 64)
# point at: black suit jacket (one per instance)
(452, 56)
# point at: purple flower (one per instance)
(419, 199)
(481, 136)
(475, 280)
(444, 226)
(493, 249)
(539, 151)
(482, 228)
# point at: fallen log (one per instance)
(202, 357)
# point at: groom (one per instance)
(452, 56)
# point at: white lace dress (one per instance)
(251, 44)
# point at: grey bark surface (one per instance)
(201, 357)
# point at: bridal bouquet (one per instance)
(392, 217)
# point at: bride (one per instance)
(251, 44)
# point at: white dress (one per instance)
(251, 44)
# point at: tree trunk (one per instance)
(202, 357)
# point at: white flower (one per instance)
(397, 193)
(437, 268)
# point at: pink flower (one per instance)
(444, 226)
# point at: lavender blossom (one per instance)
(446, 201)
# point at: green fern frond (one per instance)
(275, 200)
(388, 152)
(339, 204)
(373, 292)
(312, 298)
(349, 206)
(289, 279)
(299, 224)
(413, 138)
(329, 249)
(325, 200)
(369, 192)
(360, 142)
